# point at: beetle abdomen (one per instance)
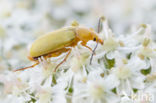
(52, 41)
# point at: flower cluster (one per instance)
(122, 69)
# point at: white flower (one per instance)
(146, 52)
(122, 69)
(95, 89)
(126, 99)
(129, 75)
(44, 95)
(110, 44)
(79, 59)
(47, 67)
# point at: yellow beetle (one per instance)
(54, 43)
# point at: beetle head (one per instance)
(85, 34)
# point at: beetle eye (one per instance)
(94, 39)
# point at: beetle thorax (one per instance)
(85, 34)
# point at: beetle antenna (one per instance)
(101, 19)
(93, 53)
(21, 69)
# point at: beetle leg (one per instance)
(27, 67)
(63, 60)
(84, 44)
